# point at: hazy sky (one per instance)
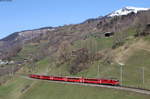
(20, 15)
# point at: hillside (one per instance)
(84, 49)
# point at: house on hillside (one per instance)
(108, 34)
(146, 30)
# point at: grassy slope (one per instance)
(94, 44)
(46, 90)
(38, 90)
(136, 62)
(12, 90)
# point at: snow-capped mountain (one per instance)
(126, 11)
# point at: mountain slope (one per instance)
(12, 44)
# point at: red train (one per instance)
(77, 79)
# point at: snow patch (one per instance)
(126, 11)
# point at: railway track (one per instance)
(125, 88)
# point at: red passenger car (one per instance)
(77, 79)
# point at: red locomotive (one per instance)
(77, 79)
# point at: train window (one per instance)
(45, 76)
(73, 78)
(58, 77)
(106, 80)
(92, 79)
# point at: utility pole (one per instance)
(98, 67)
(121, 72)
(95, 46)
(143, 75)
(12, 70)
(60, 73)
